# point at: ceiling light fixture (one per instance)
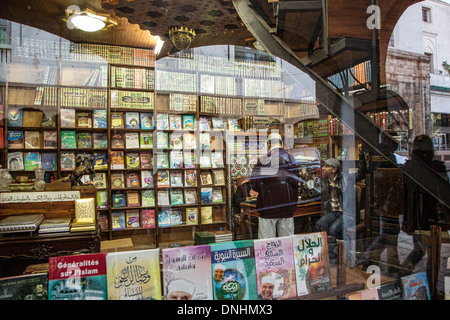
(181, 37)
(87, 20)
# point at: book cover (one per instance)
(117, 180)
(133, 198)
(132, 180)
(134, 275)
(175, 217)
(50, 139)
(205, 178)
(77, 277)
(164, 218)
(233, 125)
(206, 195)
(189, 160)
(67, 160)
(203, 123)
(206, 215)
(415, 287)
(192, 215)
(84, 140)
(118, 199)
(219, 177)
(132, 218)
(187, 273)
(15, 117)
(24, 287)
(312, 267)
(148, 218)
(147, 120)
(176, 178)
(15, 161)
(176, 159)
(118, 220)
(15, 139)
(117, 160)
(146, 140)
(163, 178)
(233, 270)
(49, 118)
(100, 161)
(217, 159)
(162, 140)
(189, 141)
(190, 178)
(68, 139)
(162, 121)
(147, 179)
(117, 121)
(175, 122)
(146, 159)
(100, 140)
(205, 160)
(217, 195)
(188, 122)
(163, 198)
(132, 120)
(162, 160)
(148, 198)
(133, 160)
(217, 123)
(132, 140)
(275, 272)
(31, 160)
(32, 139)
(390, 291)
(190, 196)
(205, 140)
(117, 140)
(83, 119)
(102, 199)
(49, 161)
(176, 141)
(100, 118)
(67, 117)
(176, 196)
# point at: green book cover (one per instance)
(68, 139)
(233, 269)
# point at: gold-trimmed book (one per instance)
(85, 210)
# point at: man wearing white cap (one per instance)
(180, 289)
(275, 178)
(267, 288)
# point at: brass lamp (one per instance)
(181, 37)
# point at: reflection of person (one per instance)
(426, 209)
(180, 289)
(243, 193)
(275, 178)
(267, 288)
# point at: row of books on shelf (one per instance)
(263, 88)
(337, 127)
(221, 105)
(126, 99)
(72, 118)
(97, 78)
(29, 118)
(84, 97)
(313, 129)
(176, 81)
(17, 139)
(221, 85)
(183, 102)
(233, 270)
(133, 78)
(391, 121)
(186, 159)
(71, 139)
(29, 161)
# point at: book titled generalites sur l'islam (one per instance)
(233, 270)
(134, 275)
(187, 273)
(77, 277)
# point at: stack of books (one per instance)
(203, 237)
(222, 236)
(23, 223)
(55, 225)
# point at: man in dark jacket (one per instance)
(275, 177)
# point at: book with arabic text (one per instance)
(312, 266)
(274, 261)
(233, 270)
(134, 275)
(415, 287)
(187, 273)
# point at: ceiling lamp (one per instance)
(181, 37)
(87, 20)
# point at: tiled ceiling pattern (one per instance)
(158, 16)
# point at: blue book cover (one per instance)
(100, 118)
(415, 287)
(49, 161)
(147, 120)
(233, 270)
(15, 117)
(164, 218)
